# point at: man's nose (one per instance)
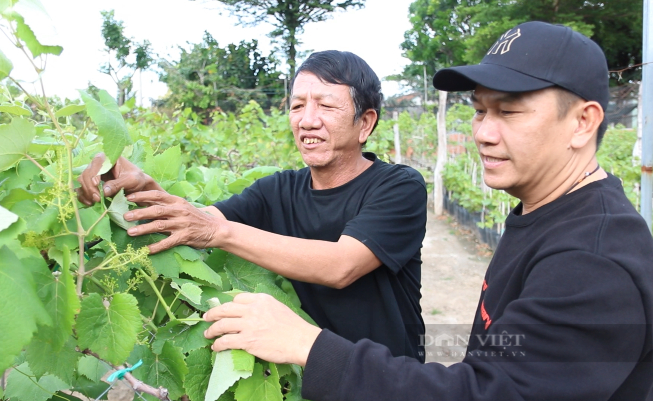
(486, 131)
(310, 118)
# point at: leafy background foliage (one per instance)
(90, 297)
(94, 300)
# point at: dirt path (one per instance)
(452, 275)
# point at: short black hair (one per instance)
(345, 68)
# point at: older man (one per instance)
(566, 307)
(347, 230)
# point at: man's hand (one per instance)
(123, 175)
(186, 224)
(262, 326)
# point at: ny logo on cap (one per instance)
(504, 42)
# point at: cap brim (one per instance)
(491, 76)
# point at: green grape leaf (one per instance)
(245, 276)
(260, 387)
(69, 110)
(165, 166)
(111, 125)
(44, 358)
(185, 189)
(92, 368)
(199, 372)
(15, 110)
(10, 233)
(166, 369)
(89, 216)
(237, 187)
(17, 195)
(295, 381)
(15, 139)
(187, 252)
(194, 175)
(5, 66)
(284, 298)
(188, 338)
(165, 263)
(213, 302)
(17, 324)
(199, 269)
(26, 34)
(190, 291)
(217, 259)
(20, 385)
(223, 376)
(260, 172)
(7, 218)
(40, 145)
(57, 291)
(119, 206)
(109, 331)
(243, 360)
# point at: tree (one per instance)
(119, 48)
(207, 77)
(288, 17)
(455, 32)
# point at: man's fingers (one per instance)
(153, 198)
(154, 213)
(96, 164)
(163, 245)
(226, 310)
(112, 187)
(228, 341)
(224, 326)
(88, 193)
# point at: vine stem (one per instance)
(97, 221)
(147, 278)
(156, 306)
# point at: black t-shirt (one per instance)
(385, 209)
(566, 313)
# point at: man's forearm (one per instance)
(333, 264)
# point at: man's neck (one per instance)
(336, 175)
(572, 181)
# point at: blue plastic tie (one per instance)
(119, 374)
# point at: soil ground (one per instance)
(453, 268)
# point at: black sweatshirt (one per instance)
(565, 314)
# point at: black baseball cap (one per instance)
(535, 55)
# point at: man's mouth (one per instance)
(312, 140)
(491, 159)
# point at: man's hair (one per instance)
(345, 68)
(566, 99)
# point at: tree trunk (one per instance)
(438, 188)
(292, 51)
(395, 116)
(637, 149)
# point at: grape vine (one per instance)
(79, 297)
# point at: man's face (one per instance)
(522, 142)
(322, 121)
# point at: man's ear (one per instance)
(589, 116)
(366, 122)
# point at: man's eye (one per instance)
(480, 112)
(508, 112)
(295, 106)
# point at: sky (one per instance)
(374, 33)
